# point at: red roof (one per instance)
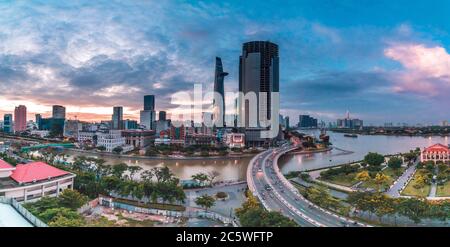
(5, 165)
(35, 171)
(437, 148)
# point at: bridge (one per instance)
(49, 145)
(276, 193)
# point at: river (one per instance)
(359, 146)
(235, 169)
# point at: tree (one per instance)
(101, 148)
(276, 219)
(250, 203)
(412, 208)
(395, 162)
(374, 159)
(133, 170)
(212, 176)
(147, 175)
(61, 221)
(420, 181)
(119, 169)
(200, 178)
(363, 176)
(43, 204)
(381, 179)
(117, 150)
(72, 199)
(205, 201)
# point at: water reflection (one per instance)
(359, 146)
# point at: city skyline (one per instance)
(394, 69)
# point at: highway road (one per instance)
(277, 194)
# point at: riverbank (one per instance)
(395, 133)
(140, 157)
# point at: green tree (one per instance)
(395, 162)
(119, 169)
(413, 208)
(200, 178)
(205, 201)
(117, 150)
(61, 221)
(374, 159)
(133, 170)
(72, 199)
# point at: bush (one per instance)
(221, 195)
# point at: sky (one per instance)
(384, 61)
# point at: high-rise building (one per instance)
(58, 112)
(72, 128)
(130, 124)
(348, 122)
(117, 118)
(259, 74)
(38, 119)
(148, 115)
(162, 116)
(8, 123)
(149, 102)
(305, 121)
(219, 75)
(20, 118)
(147, 119)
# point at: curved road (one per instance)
(276, 193)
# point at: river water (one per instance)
(359, 146)
(235, 169)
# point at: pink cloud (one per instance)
(426, 69)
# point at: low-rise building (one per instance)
(235, 140)
(139, 138)
(86, 137)
(40, 133)
(112, 139)
(30, 182)
(200, 139)
(437, 152)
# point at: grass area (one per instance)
(342, 179)
(411, 191)
(349, 179)
(443, 190)
(393, 174)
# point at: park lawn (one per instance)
(342, 179)
(394, 173)
(411, 191)
(391, 173)
(443, 190)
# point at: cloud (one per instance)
(426, 69)
(96, 54)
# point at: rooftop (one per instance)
(36, 171)
(437, 148)
(5, 165)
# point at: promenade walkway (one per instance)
(401, 182)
